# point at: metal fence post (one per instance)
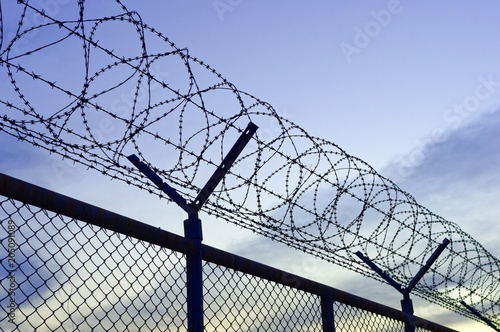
(192, 225)
(407, 307)
(194, 275)
(406, 303)
(327, 315)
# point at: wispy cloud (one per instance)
(459, 178)
(466, 154)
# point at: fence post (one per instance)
(327, 315)
(407, 307)
(192, 225)
(406, 303)
(194, 275)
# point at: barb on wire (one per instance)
(146, 96)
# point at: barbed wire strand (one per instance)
(292, 187)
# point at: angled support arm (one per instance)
(423, 270)
(476, 313)
(379, 271)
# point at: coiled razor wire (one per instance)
(95, 88)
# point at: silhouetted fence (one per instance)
(68, 265)
(177, 114)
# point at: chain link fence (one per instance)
(73, 276)
(237, 301)
(70, 266)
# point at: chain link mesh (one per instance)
(235, 301)
(349, 318)
(68, 275)
(72, 276)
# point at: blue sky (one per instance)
(410, 87)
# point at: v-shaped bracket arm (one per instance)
(406, 291)
(207, 190)
(224, 167)
(406, 303)
(171, 192)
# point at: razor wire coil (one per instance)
(290, 186)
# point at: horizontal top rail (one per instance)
(49, 200)
(267, 272)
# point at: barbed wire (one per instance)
(80, 91)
